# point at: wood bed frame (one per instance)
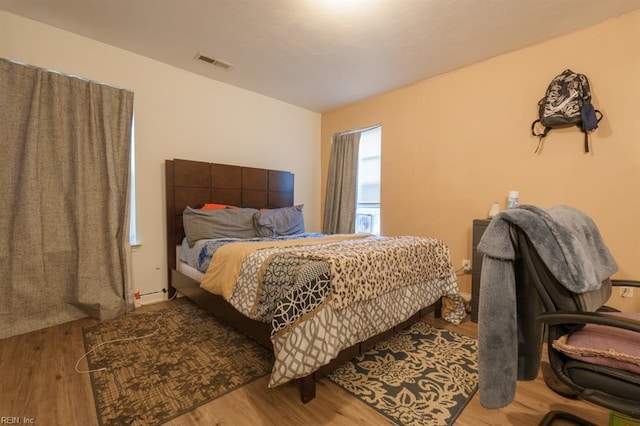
(195, 183)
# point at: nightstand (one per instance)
(479, 226)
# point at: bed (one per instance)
(306, 308)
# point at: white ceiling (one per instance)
(321, 54)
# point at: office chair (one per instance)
(590, 378)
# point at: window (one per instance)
(133, 237)
(368, 195)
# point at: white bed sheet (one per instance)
(190, 271)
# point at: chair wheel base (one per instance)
(554, 415)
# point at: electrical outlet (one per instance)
(466, 265)
(626, 291)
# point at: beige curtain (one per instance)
(64, 184)
(342, 183)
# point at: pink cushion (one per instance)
(602, 345)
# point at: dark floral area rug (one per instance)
(172, 361)
(420, 376)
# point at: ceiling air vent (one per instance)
(212, 61)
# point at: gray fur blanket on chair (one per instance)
(571, 246)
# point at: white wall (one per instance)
(178, 115)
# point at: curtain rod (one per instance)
(362, 129)
(66, 75)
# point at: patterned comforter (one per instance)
(324, 297)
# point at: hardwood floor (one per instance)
(38, 381)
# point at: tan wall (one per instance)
(453, 144)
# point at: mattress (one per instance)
(190, 271)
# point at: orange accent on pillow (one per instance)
(213, 206)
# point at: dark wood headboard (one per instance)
(195, 183)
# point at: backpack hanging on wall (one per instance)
(567, 102)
